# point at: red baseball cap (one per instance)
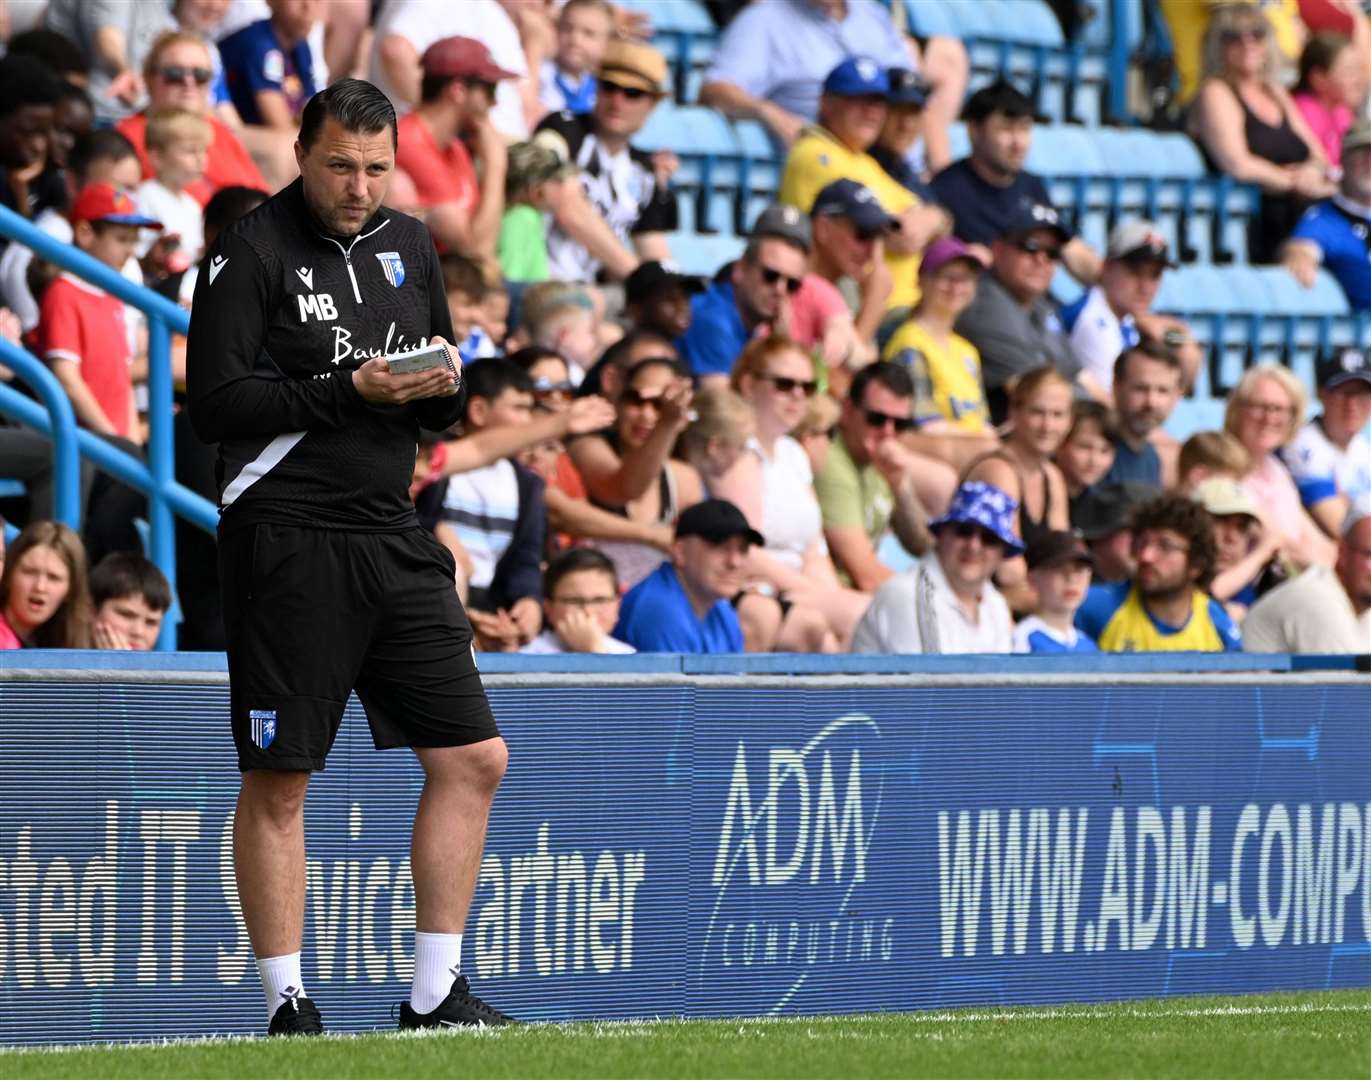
(105, 202)
(463, 57)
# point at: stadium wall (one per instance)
(671, 844)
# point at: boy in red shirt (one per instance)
(81, 327)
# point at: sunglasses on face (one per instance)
(632, 93)
(178, 74)
(643, 401)
(877, 419)
(544, 385)
(488, 87)
(965, 530)
(770, 276)
(786, 385)
(1252, 33)
(1037, 247)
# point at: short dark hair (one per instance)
(533, 354)
(894, 377)
(1183, 515)
(229, 204)
(491, 377)
(26, 81)
(674, 366)
(1002, 97)
(357, 106)
(71, 92)
(102, 144)
(127, 574)
(618, 353)
(57, 52)
(574, 561)
(1153, 350)
(1088, 411)
(462, 275)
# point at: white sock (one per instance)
(437, 960)
(280, 980)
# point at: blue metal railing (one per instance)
(156, 478)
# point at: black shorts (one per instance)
(311, 614)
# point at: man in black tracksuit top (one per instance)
(329, 582)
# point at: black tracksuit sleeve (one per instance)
(438, 414)
(232, 387)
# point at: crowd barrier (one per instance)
(711, 844)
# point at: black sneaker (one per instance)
(461, 1008)
(296, 1016)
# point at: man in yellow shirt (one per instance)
(851, 114)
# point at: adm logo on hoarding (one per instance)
(794, 836)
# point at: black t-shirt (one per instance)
(980, 210)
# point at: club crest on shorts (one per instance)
(263, 726)
(393, 266)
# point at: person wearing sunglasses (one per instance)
(946, 603)
(753, 298)
(1013, 322)
(1284, 24)
(1249, 128)
(628, 208)
(269, 67)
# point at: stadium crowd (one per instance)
(874, 430)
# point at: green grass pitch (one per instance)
(1275, 1035)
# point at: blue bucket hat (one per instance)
(985, 505)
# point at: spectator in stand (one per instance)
(1264, 413)
(851, 114)
(658, 298)
(897, 147)
(115, 37)
(1188, 21)
(867, 485)
(44, 595)
(1331, 90)
(580, 606)
(206, 18)
(1249, 128)
(178, 73)
(1147, 385)
(1039, 418)
(773, 484)
(72, 118)
(683, 606)
(628, 469)
(462, 211)
(607, 376)
(1330, 458)
(1334, 232)
(178, 147)
(628, 207)
(1012, 322)
(949, 398)
(57, 52)
(947, 603)
(988, 192)
(268, 65)
(1117, 313)
(567, 80)
(1245, 553)
(816, 430)
(28, 99)
(1166, 607)
(1321, 610)
(130, 598)
(1207, 455)
(466, 289)
(1059, 566)
(773, 58)
(493, 519)
(536, 181)
(1104, 518)
(568, 326)
(1087, 453)
(751, 300)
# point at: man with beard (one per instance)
(1333, 233)
(1165, 608)
(1147, 385)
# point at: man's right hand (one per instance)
(377, 384)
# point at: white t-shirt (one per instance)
(423, 22)
(547, 643)
(1322, 469)
(483, 507)
(1096, 335)
(1308, 614)
(917, 612)
(791, 520)
(179, 213)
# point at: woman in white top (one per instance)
(773, 485)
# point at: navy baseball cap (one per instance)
(1030, 216)
(856, 202)
(907, 87)
(858, 76)
(716, 520)
(1342, 366)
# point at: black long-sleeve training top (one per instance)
(282, 315)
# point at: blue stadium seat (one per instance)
(703, 255)
(930, 17)
(1195, 414)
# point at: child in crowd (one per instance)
(581, 605)
(466, 289)
(44, 597)
(492, 319)
(1209, 454)
(1088, 452)
(178, 150)
(534, 184)
(131, 597)
(567, 325)
(815, 431)
(1246, 554)
(1059, 566)
(567, 81)
(81, 328)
